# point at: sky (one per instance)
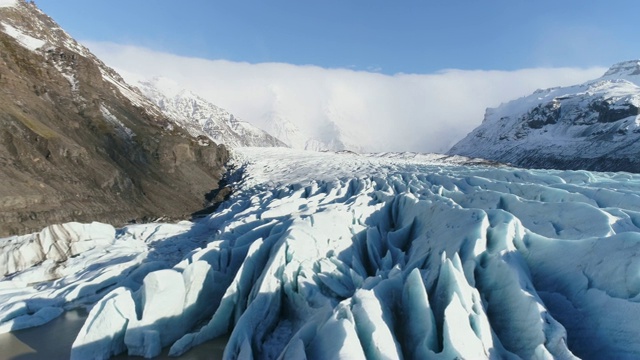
(388, 36)
(432, 66)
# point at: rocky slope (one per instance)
(591, 126)
(200, 117)
(78, 143)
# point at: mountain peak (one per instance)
(166, 86)
(627, 70)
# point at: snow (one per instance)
(122, 129)
(627, 70)
(68, 73)
(333, 130)
(8, 3)
(340, 255)
(25, 40)
(71, 78)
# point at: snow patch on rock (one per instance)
(23, 39)
(120, 126)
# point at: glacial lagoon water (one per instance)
(53, 340)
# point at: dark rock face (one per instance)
(77, 144)
(543, 115)
(608, 113)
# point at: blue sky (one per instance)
(386, 36)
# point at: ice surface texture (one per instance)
(399, 257)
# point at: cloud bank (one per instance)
(370, 111)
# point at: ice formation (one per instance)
(325, 255)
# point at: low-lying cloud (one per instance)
(401, 112)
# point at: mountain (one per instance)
(591, 126)
(295, 118)
(78, 143)
(201, 118)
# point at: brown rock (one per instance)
(79, 144)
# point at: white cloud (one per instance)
(402, 112)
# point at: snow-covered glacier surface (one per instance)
(338, 255)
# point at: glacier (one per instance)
(323, 255)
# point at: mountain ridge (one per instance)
(79, 143)
(200, 117)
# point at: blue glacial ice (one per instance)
(323, 255)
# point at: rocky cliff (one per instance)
(78, 143)
(591, 126)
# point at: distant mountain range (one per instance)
(591, 126)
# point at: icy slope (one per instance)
(592, 126)
(200, 117)
(325, 255)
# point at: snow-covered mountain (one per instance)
(200, 117)
(322, 255)
(593, 126)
